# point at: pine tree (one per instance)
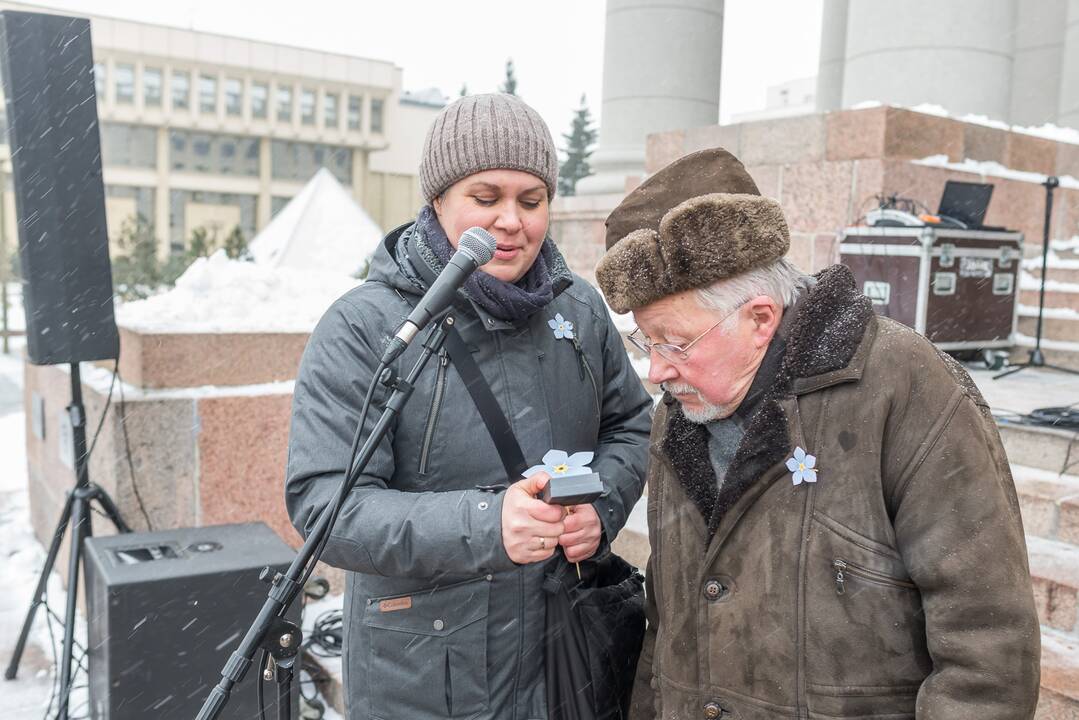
(579, 142)
(199, 245)
(136, 272)
(464, 90)
(509, 85)
(236, 245)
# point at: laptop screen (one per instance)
(966, 202)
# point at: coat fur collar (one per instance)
(823, 339)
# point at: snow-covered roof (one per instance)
(322, 230)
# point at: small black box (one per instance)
(164, 612)
(572, 489)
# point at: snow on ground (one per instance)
(1048, 131)
(217, 294)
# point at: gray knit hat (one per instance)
(486, 132)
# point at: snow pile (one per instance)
(217, 294)
(989, 168)
(322, 229)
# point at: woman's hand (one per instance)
(583, 531)
(530, 527)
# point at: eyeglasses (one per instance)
(667, 351)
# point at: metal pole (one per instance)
(4, 265)
(1050, 185)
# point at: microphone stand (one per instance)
(1037, 359)
(270, 631)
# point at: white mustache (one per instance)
(681, 389)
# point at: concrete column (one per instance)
(264, 206)
(957, 54)
(1068, 114)
(162, 227)
(1039, 47)
(359, 173)
(661, 63)
(833, 52)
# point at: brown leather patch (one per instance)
(404, 603)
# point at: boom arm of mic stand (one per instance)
(287, 586)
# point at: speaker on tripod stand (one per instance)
(48, 79)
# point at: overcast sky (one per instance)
(556, 45)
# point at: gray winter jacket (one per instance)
(439, 622)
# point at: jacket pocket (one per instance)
(864, 623)
(428, 652)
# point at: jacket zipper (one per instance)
(586, 369)
(436, 406)
(843, 569)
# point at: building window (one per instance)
(180, 90)
(128, 145)
(100, 78)
(207, 94)
(125, 83)
(307, 107)
(215, 214)
(376, 115)
(234, 96)
(151, 87)
(355, 112)
(329, 111)
(214, 153)
(260, 100)
(284, 103)
(300, 161)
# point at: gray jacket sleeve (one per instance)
(380, 530)
(622, 450)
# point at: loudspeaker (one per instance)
(48, 76)
(164, 612)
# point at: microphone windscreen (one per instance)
(478, 243)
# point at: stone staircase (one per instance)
(1060, 330)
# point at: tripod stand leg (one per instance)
(80, 528)
(39, 592)
(110, 509)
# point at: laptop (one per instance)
(966, 202)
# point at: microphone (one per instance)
(476, 247)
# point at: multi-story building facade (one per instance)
(200, 130)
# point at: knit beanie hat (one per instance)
(486, 132)
(696, 221)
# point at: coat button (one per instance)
(712, 710)
(714, 590)
(439, 625)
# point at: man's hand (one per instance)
(530, 527)
(583, 532)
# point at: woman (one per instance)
(444, 609)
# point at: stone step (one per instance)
(1054, 571)
(1059, 698)
(1054, 328)
(1054, 352)
(1055, 297)
(1049, 503)
(1040, 447)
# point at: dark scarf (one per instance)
(511, 302)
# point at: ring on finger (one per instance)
(543, 543)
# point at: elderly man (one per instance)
(834, 528)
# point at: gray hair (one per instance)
(780, 280)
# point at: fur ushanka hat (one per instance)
(696, 221)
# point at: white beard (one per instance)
(706, 412)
